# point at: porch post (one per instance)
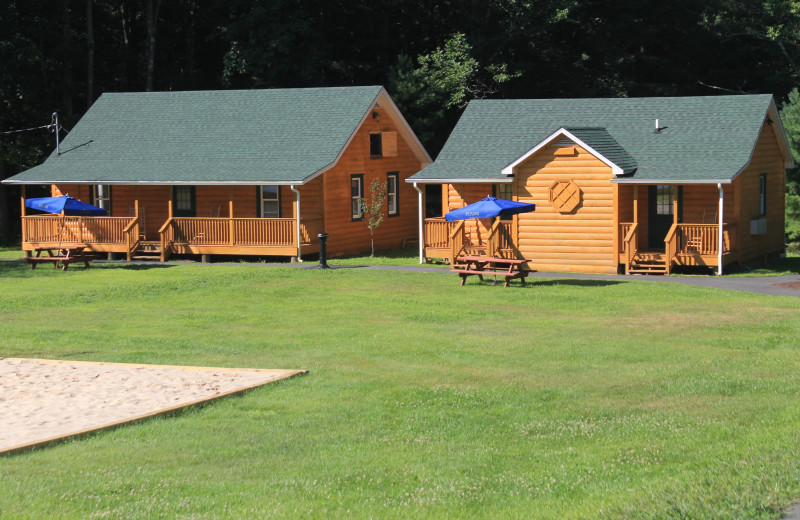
(675, 207)
(22, 213)
(635, 203)
(169, 203)
(420, 203)
(297, 221)
(136, 202)
(231, 227)
(720, 238)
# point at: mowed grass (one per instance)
(563, 399)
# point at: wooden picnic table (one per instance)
(479, 265)
(60, 255)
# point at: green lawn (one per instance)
(563, 399)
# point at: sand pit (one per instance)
(42, 400)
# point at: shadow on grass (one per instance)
(532, 284)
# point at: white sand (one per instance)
(43, 400)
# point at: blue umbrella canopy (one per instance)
(490, 207)
(65, 203)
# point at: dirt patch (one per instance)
(789, 285)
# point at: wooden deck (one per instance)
(198, 236)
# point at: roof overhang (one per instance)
(562, 132)
(780, 134)
(670, 181)
(458, 181)
(163, 183)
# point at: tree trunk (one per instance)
(90, 57)
(66, 47)
(152, 19)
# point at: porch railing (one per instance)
(500, 241)
(456, 237)
(132, 235)
(75, 230)
(436, 232)
(629, 243)
(194, 231)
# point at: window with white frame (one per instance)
(102, 197)
(392, 195)
(356, 195)
(270, 202)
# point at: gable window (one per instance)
(102, 197)
(762, 194)
(270, 201)
(375, 145)
(356, 194)
(392, 200)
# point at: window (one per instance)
(392, 200)
(270, 202)
(184, 201)
(375, 145)
(665, 196)
(102, 197)
(356, 194)
(762, 194)
(503, 191)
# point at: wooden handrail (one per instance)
(630, 244)
(670, 247)
(456, 241)
(166, 235)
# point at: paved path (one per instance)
(754, 284)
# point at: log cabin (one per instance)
(633, 185)
(239, 172)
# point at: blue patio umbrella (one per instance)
(69, 205)
(490, 207)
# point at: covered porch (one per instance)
(175, 235)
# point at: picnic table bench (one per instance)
(479, 265)
(62, 255)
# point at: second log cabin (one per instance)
(634, 185)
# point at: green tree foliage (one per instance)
(790, 116)
(442, 83)
(434, 56)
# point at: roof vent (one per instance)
(659, 128)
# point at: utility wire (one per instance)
(50, 127)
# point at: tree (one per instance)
(790, 116)
(372, 209)
(442, 83)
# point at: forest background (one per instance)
(433, 56)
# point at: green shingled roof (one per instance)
(701, 138)
(230, 136)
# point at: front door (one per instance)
(661, 209)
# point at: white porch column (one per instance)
(721, 220)
(297, 222)
(420, 204)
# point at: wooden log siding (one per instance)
(346, 236)
(581, 240)
(766, 159)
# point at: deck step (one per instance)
(148, 251)
(648, 263)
